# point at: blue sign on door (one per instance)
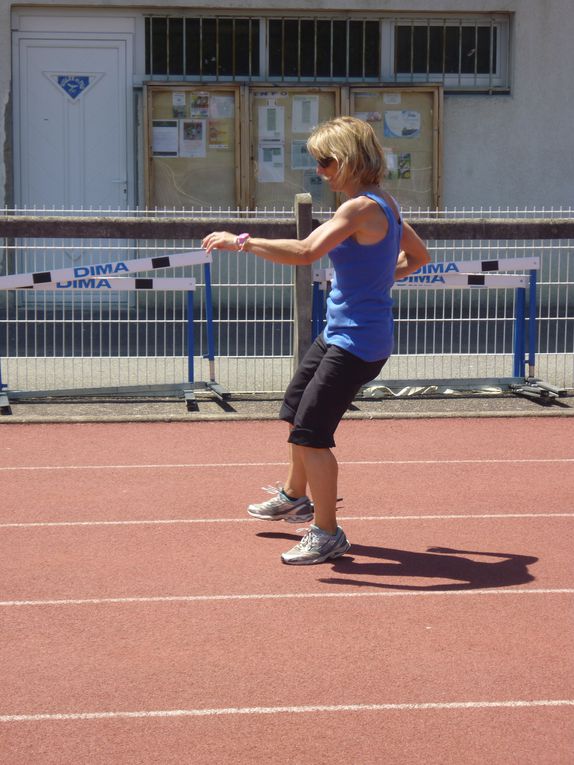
(73, 85)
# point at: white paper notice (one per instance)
(392, 163)
(313, 184)
(402, 124)
(271, 167)
(305, 113)
(272, 123)
(192, 138)
(178, 103)
(221, 107)
(300, 157)
(164, 138)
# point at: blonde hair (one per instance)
(355, 146)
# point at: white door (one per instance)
(72, 123)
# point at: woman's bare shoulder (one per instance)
(360, 205)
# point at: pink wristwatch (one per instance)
(242, 240)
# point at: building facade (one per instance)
(172, 106)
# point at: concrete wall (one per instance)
(503, 150)
(518, 149)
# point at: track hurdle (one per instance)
(472, 275)
(103, 277)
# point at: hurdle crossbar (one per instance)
(105, 270)
(115, 283)
(322, 276)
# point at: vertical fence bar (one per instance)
(519, 332)
(532, 328)
(316, 313)
(190, 339)
(302, 329)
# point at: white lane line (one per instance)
(186, 465)
(310, 709)
(281, 596)
(154, 466)
(187, 521)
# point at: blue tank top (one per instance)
(359, 306)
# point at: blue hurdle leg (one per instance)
(209, 321)
(190, 339)
(532, 328)
(519, 332)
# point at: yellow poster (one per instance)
(220, 134)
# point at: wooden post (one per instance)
(303, 293)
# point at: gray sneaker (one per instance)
(317, 546)
(281, 507)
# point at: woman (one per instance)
(370, 247)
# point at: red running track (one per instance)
(146, 619)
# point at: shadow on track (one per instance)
(436, 563)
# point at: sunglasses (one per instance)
(324, 161)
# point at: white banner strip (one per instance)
(117, 283)
(105, 270)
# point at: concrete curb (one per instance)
(237, 417)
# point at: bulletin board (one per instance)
(192, 146)
(281, 121)
(232, 146)
(407, 122)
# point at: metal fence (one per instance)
(85, 338)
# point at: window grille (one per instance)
(455, 52)
(316, 48)
(461, 53)
(202, 47)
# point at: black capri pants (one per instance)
(321, 391)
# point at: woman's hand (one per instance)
(220, 240)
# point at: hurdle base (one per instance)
(184, 390)
(218, 390)
(5, 407)
(541, 391)
(190, 401)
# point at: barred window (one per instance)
(457, 53)
(202, 47)
(462, 53)
(316, 48)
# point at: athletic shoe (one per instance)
(317, 546)
(280, 507)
